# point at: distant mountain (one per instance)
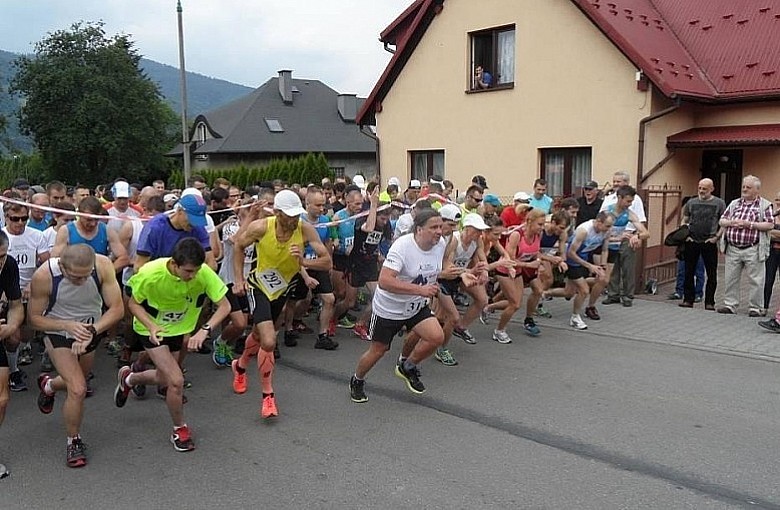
(203, 94)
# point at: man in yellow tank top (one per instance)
(279, 242)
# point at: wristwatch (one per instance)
(207, 329)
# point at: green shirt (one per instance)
(171, 302)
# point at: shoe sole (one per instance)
(76, 463)
(178, 449)
(118, 390)
(577, 328)
(408, 384)
(468, 340)
(502, 342)
(358, 401)
(769, 328)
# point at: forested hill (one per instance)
(203, 94)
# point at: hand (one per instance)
(482, 278)
(239, 287)
(430, 290)
(26, 293)
(563, 266)
(256, 209)
(634, 242)
(79, 331)
(296, 252)
(713, 239)
(451, 272)
(310, 282)
(196, 340)
(468, 279)
(597, 270)
(533, 265)
(79, 348)
(374, 196)
(480, 267)
(155, 334)
(506, 263)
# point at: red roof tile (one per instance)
(727, 136)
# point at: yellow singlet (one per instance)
(275, 266)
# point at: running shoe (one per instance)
(542, 312)
(25, 355)
(90, 389)
(357, 391)
(18, 381)
(445, 356)
(592, 314)
(326, 343)
(122, 390)
(4, 471)
(181, 438)
(577, 323)
(46, 364)
(302, 328)
(411, 378)
(484, 316)
(239, 379)
(139, 390)
(530, 327)
(76, 455)
(268, 409)
(501, 336)
(345, 323)
(361, 331)
(220, 353)
(45, 401)
(290, 338)
(464, 334)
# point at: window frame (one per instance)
(569, 189)
(429, 163)
(493, 31)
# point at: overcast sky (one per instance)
(243, 41)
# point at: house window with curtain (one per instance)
(493, 50)
(427, 163)
(201, 135)
(565, 170)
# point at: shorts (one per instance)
(297, 289)
(559, 279)
(384, 330)
(340, 262)
(324, 285)
(613, 256)
(362, 271)
(265, 309)
(449, 287)
(528, 275)
(237, 303)
(61, 342)
(174, 343)
(577, 272)
(3, 357)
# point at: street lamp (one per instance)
(185, 142)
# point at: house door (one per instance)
(725, 169)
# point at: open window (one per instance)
(492, 58)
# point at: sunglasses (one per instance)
(476, 199)
(14, 219)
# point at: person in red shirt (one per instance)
(515, 214)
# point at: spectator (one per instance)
(490, 205)
(590, 202)
(540, 200)
(773, 261)
(480, 181)
(39, 219)
(515, 214)
(412, 193)
(482, 78)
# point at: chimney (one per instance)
(347, 104)
(285, 86)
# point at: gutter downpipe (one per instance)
(376, 140)
(642, 129)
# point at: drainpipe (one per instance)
(369, 134)
(642, 128)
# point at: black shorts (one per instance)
(340, 262)
(384, 330)
(265, 309)
(174, 343)
(324, 285)
(613, 256)
(362, 272)
(61, 342)
(577, 272)
(449, 287)
(237, 303)
(3, 356)
(297, 289)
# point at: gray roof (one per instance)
(311, 123)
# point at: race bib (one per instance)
(272, 281)
(374, 237)
(172, 317)
(461, 262)
(25, 259)
(348, 242)
(416, 306)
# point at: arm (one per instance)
(120, 253)
(216, 248)
(253, 232)
(40, 290)
(323, 261)
(641, 231)
(60, 242)
(14, 319)
(112, 295)
(223, 310)
(370, 223)
(449, 270)
(579, 237)
(388, 281)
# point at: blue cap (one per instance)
(195, 207)
(492, 200)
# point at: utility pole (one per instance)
(185, 136)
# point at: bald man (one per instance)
(702, 214)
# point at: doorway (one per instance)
(724, 167)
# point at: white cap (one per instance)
(191, 191)
(170, 197)
(394, 180)
(405, 224)
(476, 221)
(522, 196)
(450, 212)
(415, 184)
(289, 203)
(359, 181)
(120, 189)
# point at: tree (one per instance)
(93, 114)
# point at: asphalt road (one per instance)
(565, 420)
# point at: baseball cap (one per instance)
(38, 189)
(359, 181)
(415, 184)
(21, 184)
(492, 200)
(170, 197)
(195, 207)
(591, 185)
(474, 220)
(289, 203)
(450, 212)
(522, 196)
(479, 180)
(394, 180)
(120, 189)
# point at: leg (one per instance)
(692, 252)
(682, 265)
(370, 358)
(5, 392)
(168, 373)
(733, 275)
(513, 292)
(71, 379)
(326, 314)
(756, 271)
(479, 301)
(431, 336)
(709, 255)
(266, 363)
(628, 271)
(772, 265)
(613, 277)
(699, 287)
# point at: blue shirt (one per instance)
(38, 225)
(544, 203)
(346, 231)
(99, 243)
(159, 236)
(324, 233)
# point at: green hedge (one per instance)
(28, 166)
(303, 170)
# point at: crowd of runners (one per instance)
(156, 273)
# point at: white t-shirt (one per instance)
(226, 269)
(25, 249)
(637, 207)
(128, 272)
(51, 237)
(413, 265)
(114, 213)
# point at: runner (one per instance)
(470, 240)
(346, 229)
(167, 295)
(279, 243)
(67, 298)
(407, 283)
(11, 318)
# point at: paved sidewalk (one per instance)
(658, 322)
